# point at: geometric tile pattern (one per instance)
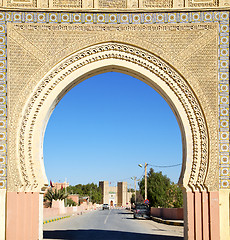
(224, 100)
(3, 103)
(123, 18)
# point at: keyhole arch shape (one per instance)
(123, 58)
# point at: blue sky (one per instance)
(105, 126)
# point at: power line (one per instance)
(166, 166)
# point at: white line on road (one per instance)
(107, 217)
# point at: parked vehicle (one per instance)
(141, 211)
(105, 206)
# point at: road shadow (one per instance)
(138, 218)
(103, 235)
(125, 213)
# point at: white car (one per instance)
(105, 206)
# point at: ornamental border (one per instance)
(221, 17)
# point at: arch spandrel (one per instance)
(168, 82)
(180, 61)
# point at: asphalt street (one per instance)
(115, 224)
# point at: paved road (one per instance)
(112, 224)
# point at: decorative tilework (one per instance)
(41, 17)
(224, 98)
(3, 90)
(29, 17)
(172, 18)
(136, 18)
(101, 18)
(112, 18)
(76, 18)
(184, 17)
(160, 18)
(65, 18)
(132, 18)
(53, 17)
(148, 17)
(89, 18)
(124, 18)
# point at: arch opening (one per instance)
(106, 112)
(92, 85)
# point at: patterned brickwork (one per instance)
(221, 18)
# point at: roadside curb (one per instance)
(55, 219)
(168, 222)
(60, 218)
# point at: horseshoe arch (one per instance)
(125, 58)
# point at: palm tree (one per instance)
(55, 195)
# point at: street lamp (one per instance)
(135, 181)
(140, 165)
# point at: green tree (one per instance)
(55, 195)
(90, 189)
(70, 202)
(48, 197)
(175, 196)
(133, 198)
(131, 190)
(139, 198)
(161, 191)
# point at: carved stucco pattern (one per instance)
(205, 3)
(67, 3)
(22, 3)
(113, 4)
(158, 4)
(158, 44)
(178, 85)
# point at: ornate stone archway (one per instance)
(152, 70)
(123, 58)
(183, 55)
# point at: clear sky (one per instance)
(105, 126)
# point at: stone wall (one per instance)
(168, 213)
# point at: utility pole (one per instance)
(135, 182)
(140, 165)
(146, 181)
(65, 191)
(127, 195)
(128, 200)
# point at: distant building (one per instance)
(60, 185)
(115, 196)
(84, 199)
(74, 197)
